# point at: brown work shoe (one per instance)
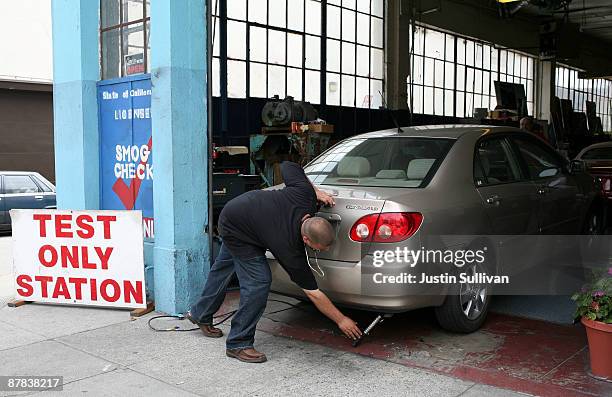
(248, 355)
(207, 329)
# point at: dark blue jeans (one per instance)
(254, 277)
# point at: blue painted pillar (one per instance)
(179, 120)
(76, 69)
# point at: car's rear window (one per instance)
(385, 162)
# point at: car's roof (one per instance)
(453, 131)
(596, 145)
(18, 172)
(593, 146)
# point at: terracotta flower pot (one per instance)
(600, 347)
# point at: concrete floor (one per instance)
(102, 352)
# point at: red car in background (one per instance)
(598, 161)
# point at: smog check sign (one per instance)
(79, 257)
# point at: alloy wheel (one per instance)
(472, 296)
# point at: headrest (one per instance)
(391, 174)
(418, 168)
(353, 166)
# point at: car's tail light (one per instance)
(363, 229)
(605, 184)
(387, 227)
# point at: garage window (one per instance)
(518, 68)
(124, 37)
(599, 91)
(432, 82)
(354, 53)
(300, 48)
(453, 75)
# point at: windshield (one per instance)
(384, 162)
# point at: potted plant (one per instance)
(594, 308)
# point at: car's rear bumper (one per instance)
(345, 285)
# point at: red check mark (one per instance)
(127, 194)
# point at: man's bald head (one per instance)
(318, 233)
(526, 123)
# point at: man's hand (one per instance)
(325, 306)
(350, 328)
(325, 198)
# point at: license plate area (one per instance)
(334, 219)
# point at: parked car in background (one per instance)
(23, 190)
(396, 189)
(598, 162)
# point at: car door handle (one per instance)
(38, 197)
(494, 200)
(542, 191)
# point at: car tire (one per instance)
(454, 315)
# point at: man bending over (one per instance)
(283, 222)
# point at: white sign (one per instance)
(79, 257)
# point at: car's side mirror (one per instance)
(548, 172)
(577, 166)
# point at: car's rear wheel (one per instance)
(466, 305)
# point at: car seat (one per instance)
(418, 168)
(353, 167)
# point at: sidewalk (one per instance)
(102, 352)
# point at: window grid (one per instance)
(458, 75)
(477, 70)
(123, 34)
(433, 93)
(349, 82)
(518, 68)
(569, 86)
(247, 68)
(298, 72)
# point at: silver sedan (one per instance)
(395, 189)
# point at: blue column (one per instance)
(179, 120)
(76, 70)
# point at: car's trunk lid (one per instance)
(351, 204)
